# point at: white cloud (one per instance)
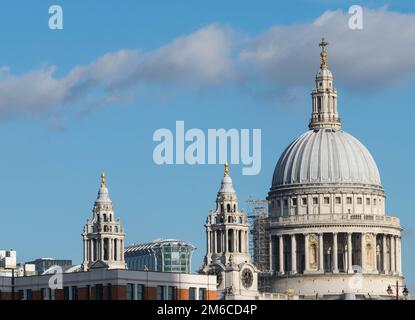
(281, 58)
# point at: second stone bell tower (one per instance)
(103, 237)
(227, 253)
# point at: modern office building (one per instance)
(167, 255)
(43, 264)
(9, 267)
(102, 283)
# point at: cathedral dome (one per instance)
(326, 156)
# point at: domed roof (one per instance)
(324, 73)
(326, 156)
(226, 185)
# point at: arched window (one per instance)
(228, 207)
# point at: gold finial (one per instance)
(103, 182)
(323, 44)
(226, 169)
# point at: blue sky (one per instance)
(62, 121)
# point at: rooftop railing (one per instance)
(336, 218)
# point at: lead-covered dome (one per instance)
(326, 156)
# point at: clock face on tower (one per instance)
(247, 278)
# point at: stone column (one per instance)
(349, 253)
(246, 242)
(384, 254)
(321, 252)
(363, 251)
(306, 253)
(398, 256)
(207, 241)
(393, 260)
(122, 250)
(91, 249)
(335, 257)
(281, 253)
(85, 250)
(110, 249)
(97, 249)
(213, 236)
(271, 257)
(293, 254)
(375, 254)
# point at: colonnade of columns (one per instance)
(106, 249)
(335, 252)
(227, 240)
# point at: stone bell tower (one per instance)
(227, 245)
(103, 237)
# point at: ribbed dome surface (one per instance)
(326, 156)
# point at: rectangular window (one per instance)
(171, 294)
(29, 294)
(99, 292)
(43, 294)
(140, 292)
(285, 203)
(359, 200)
(315, 200)
(338, 200)
(294, 201)
(130, 291)
(65, 293)
(192, 293)
(202, 293)
(374, 202)
(349, 200)
(21, 294)
(51, 294)
(74, 292)
(304, 200)
(109, 289)
(160, 292)
(326, 200)
(278, 203)
(368, 201)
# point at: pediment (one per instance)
(99, 264)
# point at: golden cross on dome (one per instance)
(323, 44)
(226, 169)
(103, 182)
